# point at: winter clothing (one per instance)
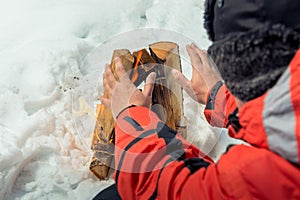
(227, 18)
(109, 193)
(251, 63)
(248, 37)
(154, 162)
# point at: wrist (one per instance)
(124, 110)
(211, 95)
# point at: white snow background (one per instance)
(42, 47)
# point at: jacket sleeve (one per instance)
(220, 104)
(154, 162)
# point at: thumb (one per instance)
(181, 79)
(149, 85)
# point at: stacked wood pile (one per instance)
(163, 57)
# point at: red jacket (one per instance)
(154, 162)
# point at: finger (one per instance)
(193, 45)
(198, 50)
(196, 62)
(195, 59)
(211, 61)
(111, 80)
(120, 70)
(104, 74)
(149, 85)
(107, 87)
(184, 82)
(206, 59)
(202, 53)
(105, 101)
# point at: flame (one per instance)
(84, 108)
(135, 73)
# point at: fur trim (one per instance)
(209, 18)
(252, 62)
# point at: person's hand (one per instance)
(204, 74)
(123, 93)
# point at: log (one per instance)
(167, 92)
(145, 65)
(103, 136)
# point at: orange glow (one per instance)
(135, 73)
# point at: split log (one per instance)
(167, 92)
(144, 64)
(103, 136)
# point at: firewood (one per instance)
(167, 93)
(144, 66)
(103, 136)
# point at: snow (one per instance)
(46, 66)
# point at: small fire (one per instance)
(84, 108)
(135, 73)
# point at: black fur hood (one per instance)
(253, 41)
(223, 18)
(251, 63)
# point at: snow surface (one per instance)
(44, 150)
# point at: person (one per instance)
(255, 94)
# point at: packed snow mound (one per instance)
(42, 46)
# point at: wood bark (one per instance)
(167, 92)
(103, 136)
